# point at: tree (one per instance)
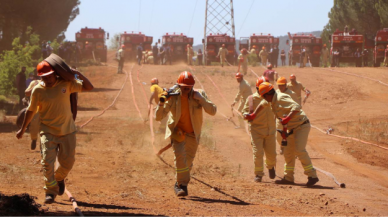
(11, 61)
(114, 44)
(48, 18)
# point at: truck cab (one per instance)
(259, 40)
(178, 45)
(347, 44)
(92, 43)
(313, 48)
(131, 41)
(214, 43)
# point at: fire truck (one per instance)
(313, 48)
(347, 45)
(267, 41)
(213, 44)
(92, 44)
(178, 45)
(381, 42)
(131, 41)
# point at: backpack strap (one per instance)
(250, 101)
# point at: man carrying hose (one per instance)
(297, 87)
(262, 128)
(184, 126)
(244, 91)
(290, 113)
(57, 129)
(156, 93)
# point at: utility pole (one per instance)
(219, 18)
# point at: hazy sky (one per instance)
(156, 17)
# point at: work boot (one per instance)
(258, 178)
(33, 144)
(312, 181)
(272, 173)
(284, 182)
(61, 185)
(185, 189)
(179, 191)
(49, 199)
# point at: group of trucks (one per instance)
(92, 43)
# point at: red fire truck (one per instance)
(259, 41)
(92, 44)
(213, 44)
(178, 45)
(313, 48)
(131, 41)
(381, 42)
(347, 45)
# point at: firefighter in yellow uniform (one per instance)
(282, 85)
(121, 59)
(57, 129)
(262, 128)
(244, 91)
(34, 125)
(156, 93)
(386, 57)
(190, 54)
(243, 61)
(222, 53)
(184, 126)
(325, 55)
(253, 54)
(297, 122)
(297, 87)
(263, 55)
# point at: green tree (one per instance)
(48, 18)
(114, 44)
(11, 61)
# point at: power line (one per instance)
(238, 33)
(192, 17)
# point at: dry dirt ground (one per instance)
(117, 173)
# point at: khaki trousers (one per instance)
(264, 61)
(261, 145)
(385, 61)
(184, 156)
(64, 148)
(223, 60)
(189, 60)
(296, 146)
(35, 127)
(244, 68)
(324, 62)
(240, 109)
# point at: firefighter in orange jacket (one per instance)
(184, 126)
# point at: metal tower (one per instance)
(219, 18)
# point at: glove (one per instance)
(285, 120)
(250, 117)
(198, 96)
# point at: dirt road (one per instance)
(117, 172)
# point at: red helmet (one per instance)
(261, 80)
(223, 45)
(244, 51)
(154, 81)
(186, 79)
(239, 75)
(44, 69)
(122, 46)
(292, 76)
(269, 66)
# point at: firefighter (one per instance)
(253, 54)
(365, 56)
(325, 55)
(283, 57)
(358, 56)
(184, 126)
(244, 90)
(386, 57)
(243, 60)
(156, 93)
(262, 128)
(302, 57)
(275, 56)
(282, 88)
(121, 58)
(139, 51)
(272, 75)
(190, 54)
(263, 55)
(297, 87)
(297, 121)
(222, 53)
(336, 57)
(34, 124)
(161, 55)
(57, 129)
(155, 52)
